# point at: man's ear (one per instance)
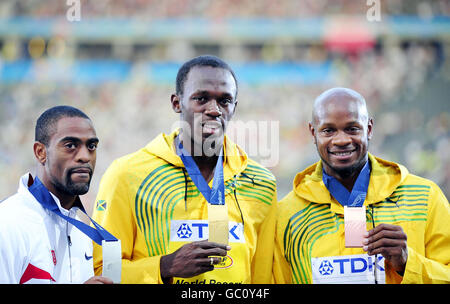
(313, 132)
(40, 152)
(176, 103)
(370, 129)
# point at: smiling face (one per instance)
(206, 106)
(69, 159)
(341, 130)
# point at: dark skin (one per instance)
(207, 104)
(69, 156)
(192, 259)
(66, 165)
(341, 130)
(391, 242)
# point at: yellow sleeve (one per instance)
(263, 258)
(434, 267)
(114, 212)
(281, 268)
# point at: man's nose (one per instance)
(342, 139)
(84, 155)
(213, 108)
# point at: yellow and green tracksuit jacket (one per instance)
(148, 201)
(310, 227)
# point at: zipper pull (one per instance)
(69, 240)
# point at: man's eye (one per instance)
(70, 146)
(225, 101)
(200, 99)
(92, 147)
(353, 129)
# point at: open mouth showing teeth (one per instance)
(212, 125)
(346, 153)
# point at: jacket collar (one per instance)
(163, 147)
(27, 180)
(385, 177)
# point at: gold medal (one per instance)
(218, 223)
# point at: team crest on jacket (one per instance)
(101, 205)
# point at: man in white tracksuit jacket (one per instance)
(36, 244)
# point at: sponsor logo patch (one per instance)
(359, 269)
(225, 262)
(197, 230)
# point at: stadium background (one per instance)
(119, 61)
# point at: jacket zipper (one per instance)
(69, 243)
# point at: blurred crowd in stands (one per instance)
(218, 9)
(405, 84)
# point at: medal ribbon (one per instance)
(214, 196)
(359, 192)
(43, 196)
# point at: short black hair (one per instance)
(46, 122)
(203, 60)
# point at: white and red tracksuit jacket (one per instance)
(38, 246)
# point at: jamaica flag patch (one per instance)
(101, 205)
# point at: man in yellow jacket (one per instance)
(158, 201)
(356, 218)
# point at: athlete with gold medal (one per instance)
(191, 207)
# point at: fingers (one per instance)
(211, 248)
(384, 227)
(99, 280)
(383, 245)
(214, 251)
(192, 259)
(206, 244)
(210, 254)
(385, 236)
(391, 242)
(205, 264)
(209, 262)
(386, 251)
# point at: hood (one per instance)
(235, 159)
(385, 177)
